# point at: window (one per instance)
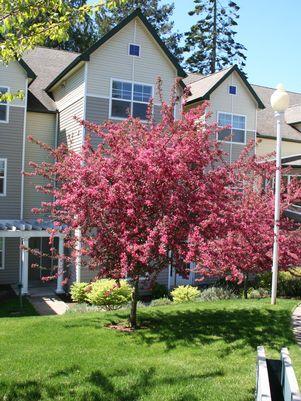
(130, 99)
(237, 131)
(1, 253)
(134, 50)
(3, 177)
(232, 90)
(3, 106)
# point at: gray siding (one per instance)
(41, 126)
(157, 114)
(70, 131)
(97, 111)
(163, 277)
(10, 273)
(11, 140)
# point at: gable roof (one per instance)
(266, 125)
(85, 56)
(202, 88)
(47, 64)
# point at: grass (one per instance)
(11, 308)
(200, 351)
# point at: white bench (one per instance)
(263, 391)
(289, 382)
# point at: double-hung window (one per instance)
(3, 106)
(3, 173)
(130, 99)
(1, 253)
(236, 131)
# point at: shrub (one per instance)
(159, 291)
(184, 293)
(160, 302)
(78, 292)
(258, 293)
(109, 294)
(288, 284)
(216, 293)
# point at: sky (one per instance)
(271, 32)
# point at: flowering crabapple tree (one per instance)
(246, 244)
(148, 190)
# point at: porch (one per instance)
(30, 233)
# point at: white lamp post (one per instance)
(279, 103)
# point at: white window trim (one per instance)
(7, 106)
(134, 44)
(232, 94)
(245, 130)
(130, 100)
(2, 266)
(5, 177)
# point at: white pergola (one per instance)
(26, 229)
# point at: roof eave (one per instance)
(29, 71)
(69, 67)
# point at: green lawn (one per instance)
(11, 308)
(202, 351)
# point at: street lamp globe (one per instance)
(280, 99)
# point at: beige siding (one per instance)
(41, 126)
(241, 103)
(13, 76)
(111, 60)
(70, 131)
(69, 90)
(11, 139)
(265, 146)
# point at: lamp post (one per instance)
(279, 103)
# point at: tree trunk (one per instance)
(133, 314)
(214, 39)
(246, 282)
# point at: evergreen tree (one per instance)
(159, 15)
(211, 40)
(81, 34)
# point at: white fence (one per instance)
(289, 384)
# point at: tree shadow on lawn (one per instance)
(98, 386)
(237, 328)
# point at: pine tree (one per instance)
(159, 15)
(81, 35)
(211, 40)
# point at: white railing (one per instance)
(263, 391)
(289, 382)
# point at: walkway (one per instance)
(45, 301)
(296, 321)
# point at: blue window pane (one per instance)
(232, 90)
(140, 110)
(238, 136)
(120, 109)
(224, 119)
(134, 50)
(122, 90)
(225, 135)
(3, 112)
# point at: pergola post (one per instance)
(24, 271)
(60, 267)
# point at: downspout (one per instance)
(23, 152)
